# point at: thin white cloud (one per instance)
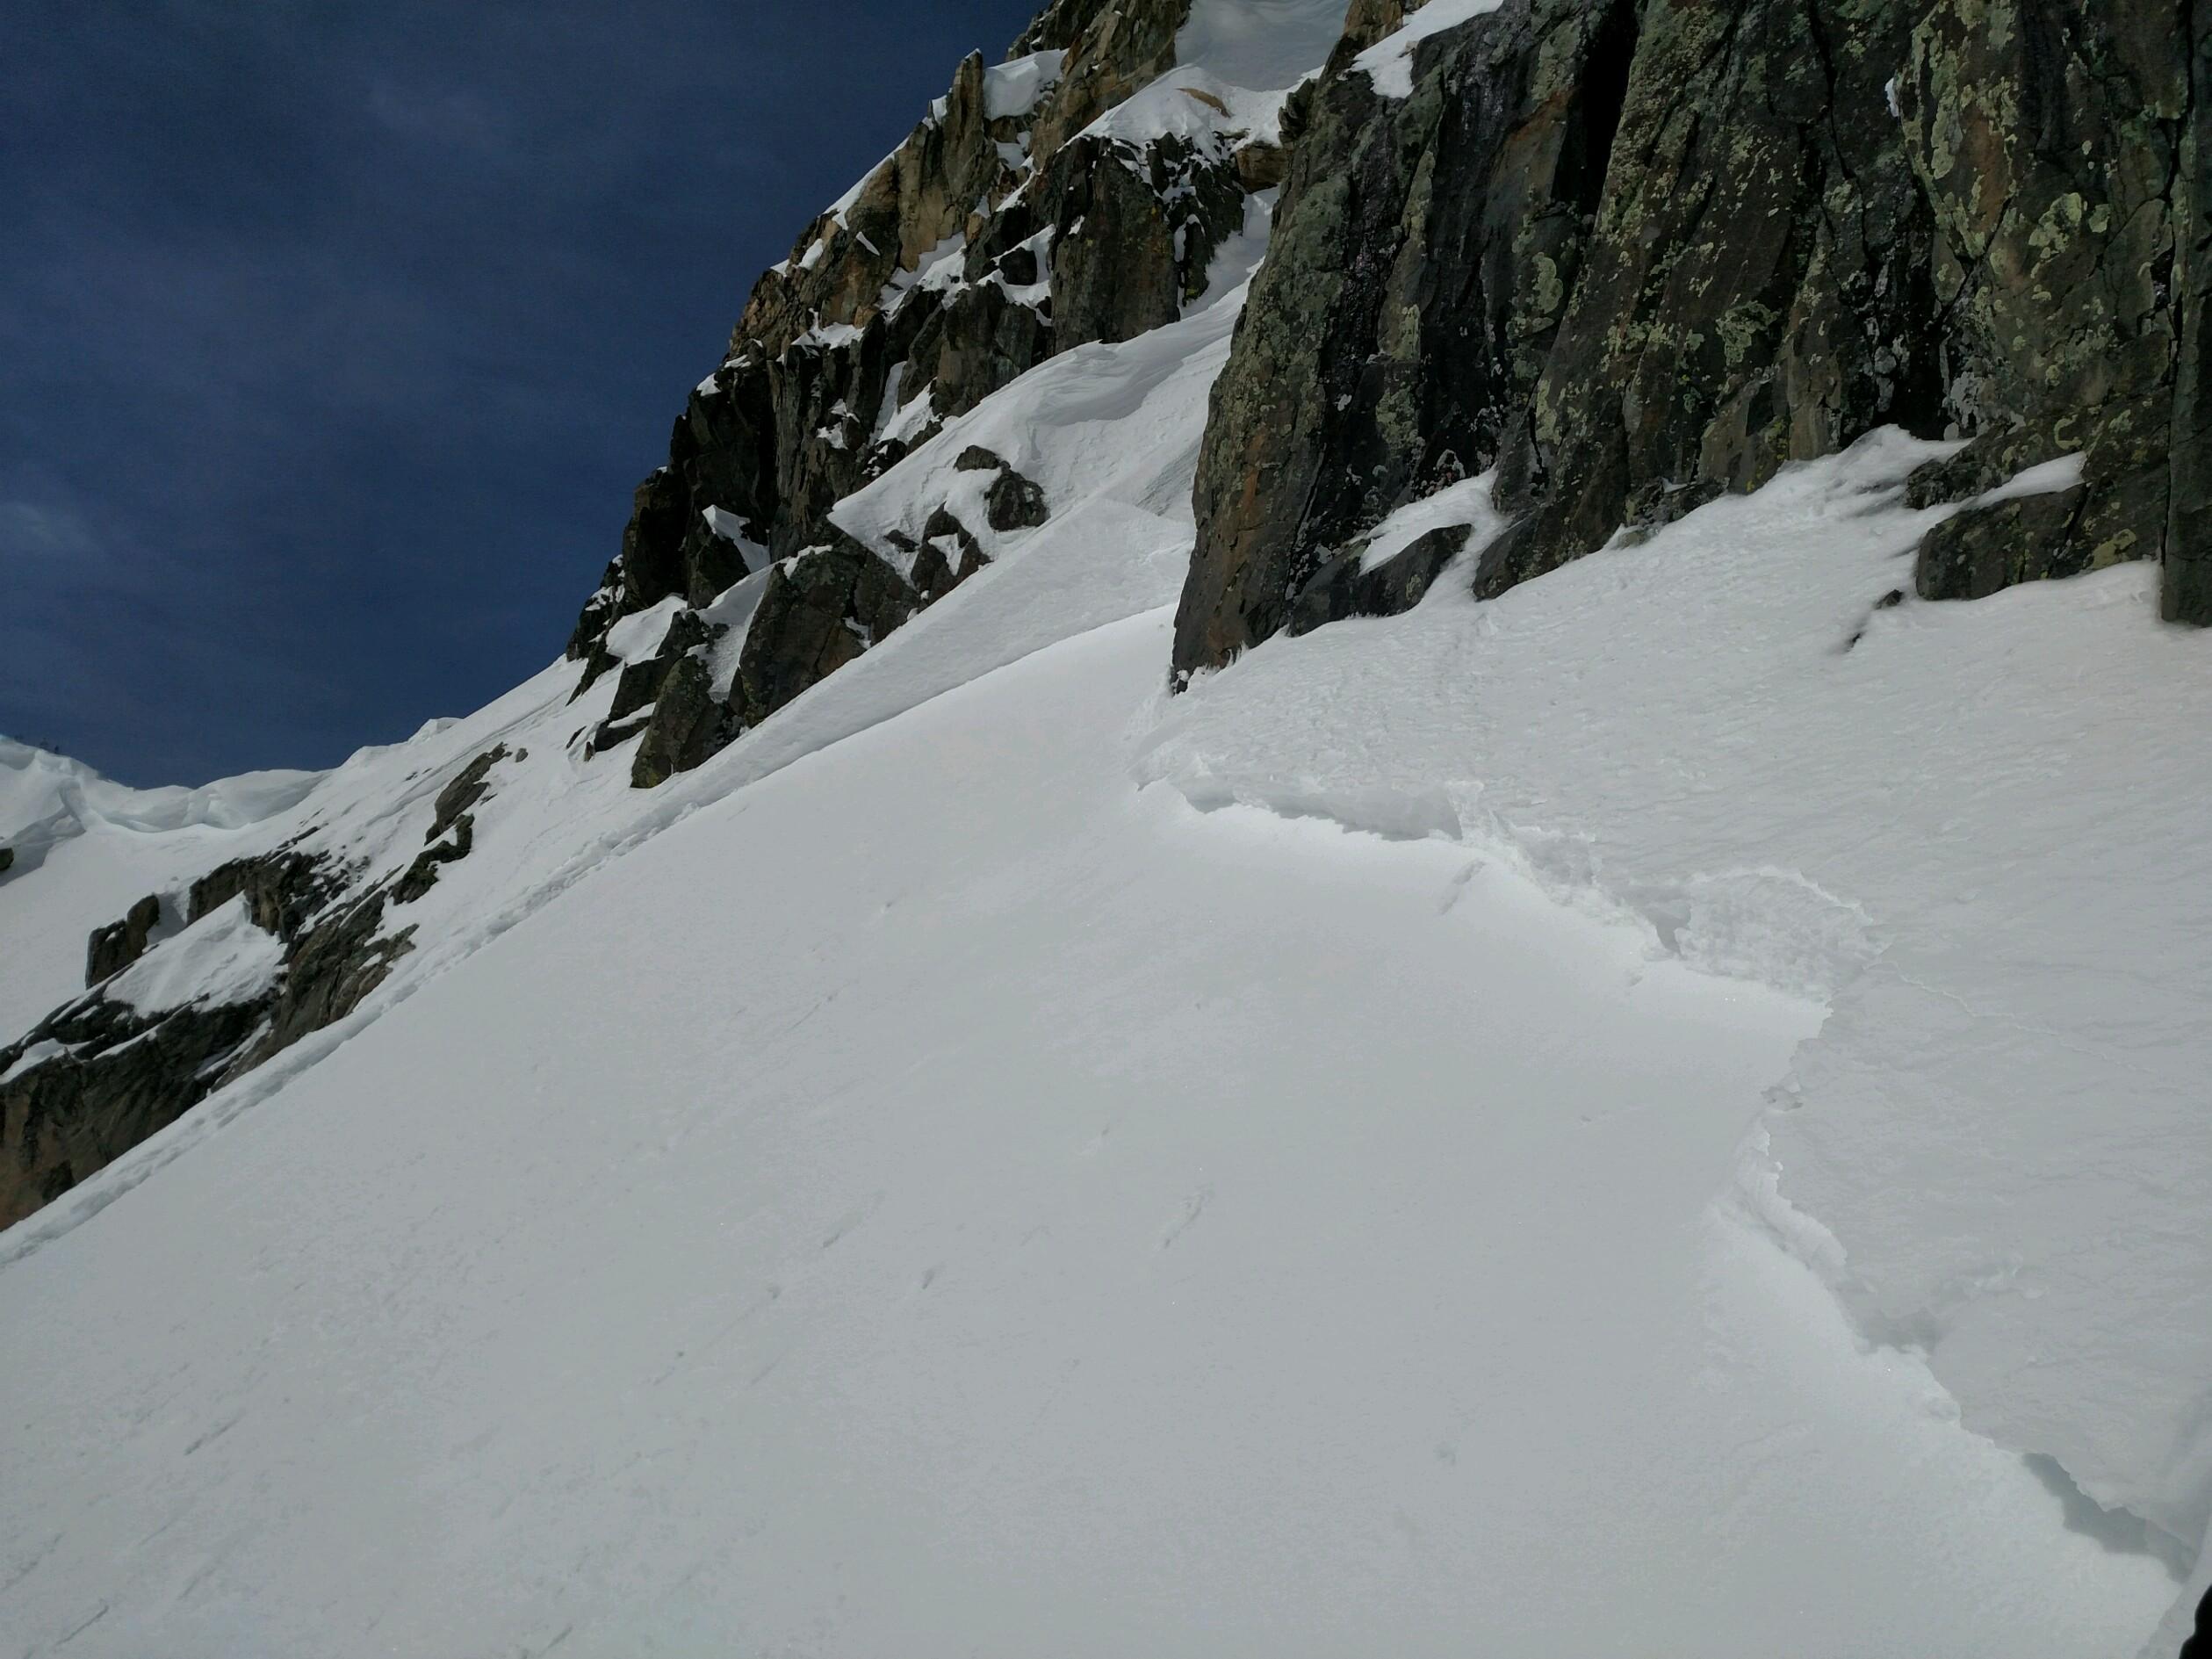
(49, 534)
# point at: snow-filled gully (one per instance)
(1073, 1222)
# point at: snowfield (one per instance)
(1971, 829)
(1660, 1116)
(1039, 1217)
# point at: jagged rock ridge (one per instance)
(1014, 224)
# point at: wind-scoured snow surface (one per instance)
(1651, 1116)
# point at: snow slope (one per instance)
(1110, 432)
(1659, 1115)
(1040, 1219)
(1975, 831)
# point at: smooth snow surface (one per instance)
(1017, 87)
(1657, 1116)
(939, 1201)
(1389, 62)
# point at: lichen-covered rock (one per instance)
(422, 874)
(328, 971)
(1120, 49)
(469, 786)
(1340, 588)
(2188, 584)
(282, 890)
(687, 728)
(947, 555)
(106, 1074)
(1634, 256)
(1978, 553)
(1424, 256)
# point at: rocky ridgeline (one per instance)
(1002, 231)
(1633, 256)
(104, 1072)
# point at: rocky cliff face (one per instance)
(1013, 224)
(1634, 254)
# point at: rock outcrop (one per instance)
(2188, 583)
(1632, 256)
(117, 1078)
(118, 945)
(101, 1074)
(1011, 226)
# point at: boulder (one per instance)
(1015, 503)
(687, 728)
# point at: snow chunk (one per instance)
(37, 1054)
(730, 528)
(733, 612)
(937, 271)
(1467, 502)
(638, 636)
(1195, 105)
(1236, 61)
(1389, 62)
(907, 421)
(1017, 87)
(220, 959)
(2051, 478)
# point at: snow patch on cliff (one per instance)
(1389, 62)
(221, 958)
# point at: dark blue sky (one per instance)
(334, 336)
